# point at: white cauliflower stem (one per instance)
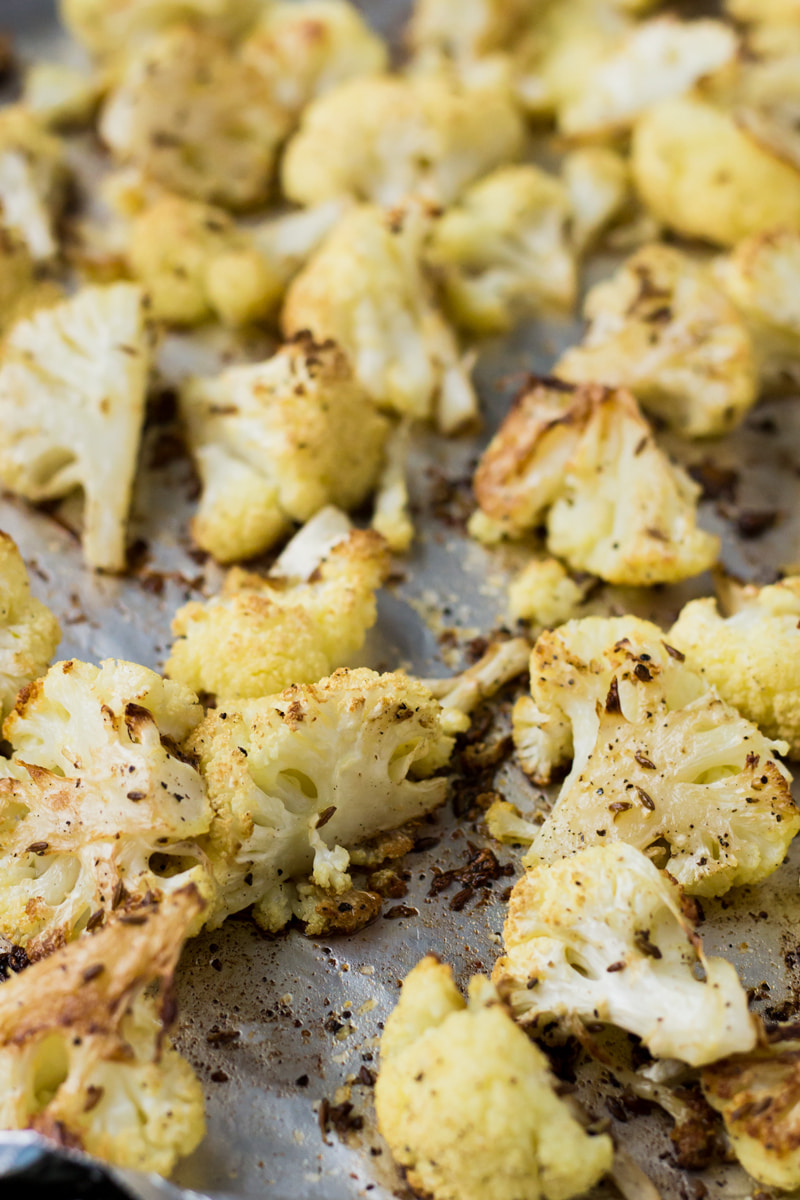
(73, 380)
(467, 1103)
(605, 936)
(29, 633)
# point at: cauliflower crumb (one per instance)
(84, 1056)
(387, 138)
(392, 513)
(662, 327)
(365, 289)
(98, 811)
(658, 760)
(506, 823)
(297, 779)
(598, 184)
(260, 635)
(606, 936)
(467, 1102)
(752, 656)
(110, 28)
(73, 380)
(196, 118)
(33, 180)
(277, 441)
(29, 633)
(583, 462)
(504, 251)
(544, 594)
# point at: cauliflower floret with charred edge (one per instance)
(33, 180)
(29, 633)
(544, 593)
(607, 936)
(84, 1056)
(662, 327)
(456, 1076)
(752, 655)
(276, 442)
(97, 809)
(583, 462)
(703, 172)
(306, 48)
(658, 760)
(598, 184)
(261, 634)
(110, 28)
(504, 252)
(298, 779)
(388, 138)
(196, 118)
(758, 1095)
(73, 380)
(365, 289)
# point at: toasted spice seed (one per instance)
(119, 894)
(616, 966)
(95, 919)
(92, 972)
(137, 796)
(133, 919)
(642, 941)
(673, 653)
(366, 1077)
(38, 847)
(325, 816)
(94, 1095)
(642, 673)
(644, 761)
(647, 801)
(619, 806)
(612, 699)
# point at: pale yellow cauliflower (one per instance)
(762, 278)
(597, 179)
(503, 252)
(663, 327)
(544, 593)
(33, 180)
(387, 138)
(277, 441)
(262, 634)
(583, 462)
(22, 290)
(467, 1102)
(365, 288)
(196, 118)
(658, 760)
(61, 96)
(751, 655)
(465, 30)
(298, 780)
(111, 28)
(29, 633)
(85, 1060)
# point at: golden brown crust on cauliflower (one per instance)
(467, 1103)
(29, 633)
(583, 461)
(84, 1059)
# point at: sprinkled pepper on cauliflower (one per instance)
(197, 119)
(662, 327)
(98, 809)
(109, 28)
(365, 289)
(467, 1102)
(503, 252)
(84, 1056)
(606, 936)
(583, 461)
(33, 180)
(29, 633)
(299, 779)
(658, 760)
(751, 655)
(277, 441)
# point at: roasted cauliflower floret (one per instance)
(110, 28)
(33, 180)
(544, 593)
(662, 327)
(61, 96)
(762, 278)
(299, 779)
(365, 289)
(658, 760)
(97, 810)
(703, 173)
(22, 290)
(197, 119)
(583, 462)
(598, 184)
(29, 633)
(460, 694)
(758, 1095)
(276, 442)
(73, 380)
(261, 634)
(606, 935)
(504, 251)
(458, 1076)
(387, 138)
(306, 48)
(751, 656)
(466, 31)
(84, 1059)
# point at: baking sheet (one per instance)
(278, 1027)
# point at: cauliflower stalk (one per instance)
(29, 633)
(73, 380)
(662, 327)
(277, 441)
(604, 935)
(97, 809)
(658, 760)
(84, 1060)
(298, 779)
(583, 462)
(33, 180)
(458, 1075)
